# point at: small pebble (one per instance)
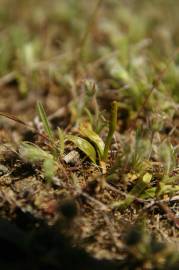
(3, 169)
(72, 157)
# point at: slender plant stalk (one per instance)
(112, 128)
(44, 119)
(89, 26)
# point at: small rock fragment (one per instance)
(72, 157)
(3, 169)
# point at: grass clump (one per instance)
(95, 144)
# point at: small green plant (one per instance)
(135, 192)
(83, 145)
(137, 159)
(90, 144)
(33, 153)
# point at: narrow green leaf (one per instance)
(136, 191)
(89, 114)
(44, 119)
(87, 131)
(83, 145)
(112, 128)
(167, 155)
(149, 193)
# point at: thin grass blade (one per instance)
(44, 119)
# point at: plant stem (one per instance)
(90, 24)
(112, 128)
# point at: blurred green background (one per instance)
(62, 40)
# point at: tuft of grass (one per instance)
(57, 146)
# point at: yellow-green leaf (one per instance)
(84, 146)
(87, 131)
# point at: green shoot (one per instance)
(44, 119)
(112, 128)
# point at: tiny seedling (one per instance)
(101, 146)
(90, 143)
